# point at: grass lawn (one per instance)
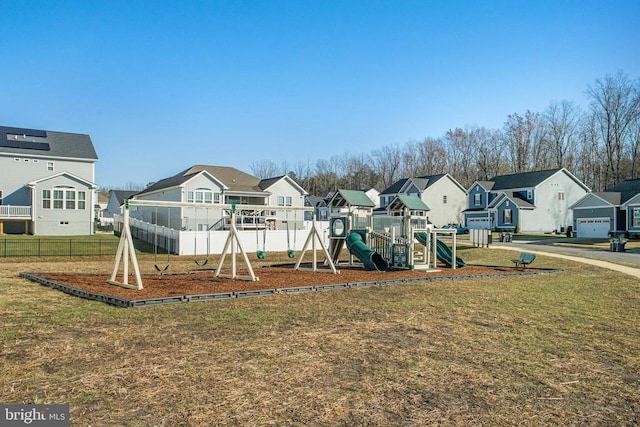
(559, 349)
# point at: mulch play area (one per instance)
(202, 285)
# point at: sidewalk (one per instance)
(601, 258)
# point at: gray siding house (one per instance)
(537, 201)
(47, 186)
(616, 209)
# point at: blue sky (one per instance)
(163, 85)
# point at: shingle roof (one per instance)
(122, 195)
(627, 189)
(522, 180)
(234, 179)
(395, 187)
(422, 182)
(61, 144)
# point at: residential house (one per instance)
(537, 201)
(100, 207)
(213, 186)
(321, 208)
(445, 196)
(48, 182)
(115, 204)
(616, 209)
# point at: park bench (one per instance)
(525, 259)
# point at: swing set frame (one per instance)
(126, 252)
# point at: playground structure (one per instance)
(233, 245)
(400, 239)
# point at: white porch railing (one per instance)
(15, 212)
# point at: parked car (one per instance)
(460, 229)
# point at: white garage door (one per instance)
(593, 227)
(481, 223)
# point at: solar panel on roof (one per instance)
(6, 141)
(28, 145)
(21, 131)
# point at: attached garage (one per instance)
(593, 227)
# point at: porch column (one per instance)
(1, 227)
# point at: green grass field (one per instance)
(560, 349)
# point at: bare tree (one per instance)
(386, 163)
(563, 120)
(615, 102)
(490, 154)
(264, 169)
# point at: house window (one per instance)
(46, 199)
(284, 201)
(49, 166)
(0, 197)
(477, 199)
(636, 217)
(68, 199)
(216, 198)
(58, 199)
(82, 200)
(444, 199)
(506, 216)
(201, 195)
(561, 195)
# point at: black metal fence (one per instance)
(56, 247)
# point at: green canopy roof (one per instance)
(412, 203)
(356, 198)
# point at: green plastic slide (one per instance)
(443, 252)
(371, 259)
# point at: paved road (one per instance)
(603, 258)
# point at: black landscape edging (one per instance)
(144, 302)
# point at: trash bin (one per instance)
(617, 245)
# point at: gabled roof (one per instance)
(421, 183)
(268, 182)
(68, 175)
(357, 198)
(487, 185)
(522, 180)
(122, 195)
(519, 202)
(32, 142)
(627, 189)
(315, 201)
(232, 179)
(410, 202)
(395, 187)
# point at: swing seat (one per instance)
(203, 263)
(291, 253)
(166, 267)
(261, 254)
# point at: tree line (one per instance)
(600, 144)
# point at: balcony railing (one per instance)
(15, 212)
